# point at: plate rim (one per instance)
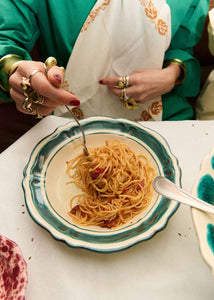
(205, 251)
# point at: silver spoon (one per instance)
(168, 189)
(83, 133)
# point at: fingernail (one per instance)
(74, 102)
(57, 77)
(101, 81)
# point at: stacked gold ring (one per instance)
(122, 84)
(32, 97)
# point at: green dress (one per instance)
(57, 24)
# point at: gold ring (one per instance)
(28, 105)
(50, 62)
(120, 83)
(25, 84)
(46, 71)
(33, 73)
(63, 69)
(35, 97)
(38, 116)
(30, 93)
(123, 94)
(123, 82)
(130, 103)
(126, 80)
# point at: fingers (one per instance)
(39, 82)
(117, 89)
(144, 85)
(56, 95)
(50, 88)
(113, 81)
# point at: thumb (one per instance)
(56, 76)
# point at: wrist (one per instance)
(8, 65)
(181, 67)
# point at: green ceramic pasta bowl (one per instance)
(48, 195)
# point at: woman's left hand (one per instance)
(146, 84)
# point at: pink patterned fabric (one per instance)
(13, 271)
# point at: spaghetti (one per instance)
(116, 185)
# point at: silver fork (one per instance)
(83, 133)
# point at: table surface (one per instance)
(168, 266)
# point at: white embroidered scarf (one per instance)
(118, 37)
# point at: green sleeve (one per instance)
(18, 29)
(187, 27)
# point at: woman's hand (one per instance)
(147, 84)
(47, 85)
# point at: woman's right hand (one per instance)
(47, 85)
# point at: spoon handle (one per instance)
(168, 189)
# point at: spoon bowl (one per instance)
(168, 189)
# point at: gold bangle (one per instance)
(8, 65)
(181, 64)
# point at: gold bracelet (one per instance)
(179, 63)
(8, 65)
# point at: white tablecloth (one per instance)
(168, 266)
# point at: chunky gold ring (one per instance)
(33, 73)
(120, 84)
(130, 103)
(30, 93)
(123, 82)
(35, 97)
(28, 105)
(50, 62)
(25, 84)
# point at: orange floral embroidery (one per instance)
(93, 14)
(162, 27)
(145, 116)
(152, 14)
(154, 109)
(151, 11)
(77, 111)
(65, 85)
